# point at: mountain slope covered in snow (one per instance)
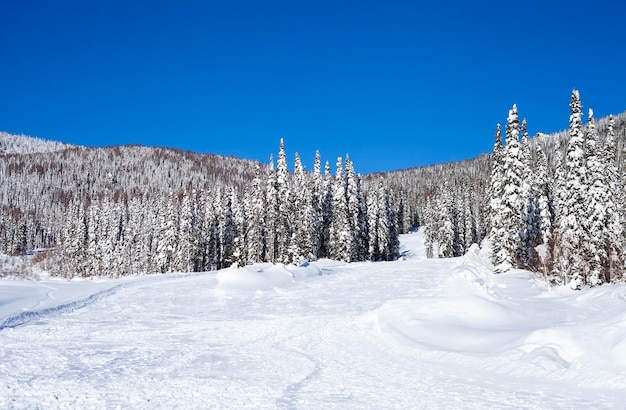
(413, 333)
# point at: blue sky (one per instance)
(395, 84)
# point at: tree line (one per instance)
(566, 223)
(280, 217)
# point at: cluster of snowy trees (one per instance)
(41, 183)
(279, 217)
(565, 221)
(448, 201)
(554, 204)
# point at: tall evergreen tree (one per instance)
(497, 228)
(511, 201)
(341, 235)
(256, 219)
(271, 221)
(613, 222)
(283, 195)
(301, 248)
(574, 206)
(597, 197)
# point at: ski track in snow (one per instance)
(414, 333)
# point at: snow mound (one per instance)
(262, 276)
(473, 274)
(465, 313)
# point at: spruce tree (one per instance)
(256, 216)
(301, 248)
(573, 212)
(496, 231)
(613, 223)
(283, 197)
(512, 203)
(341, 238)
(597, 197)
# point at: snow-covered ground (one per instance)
(415, 333)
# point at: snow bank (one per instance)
(472, 311)
(262, 276)
(463, 314)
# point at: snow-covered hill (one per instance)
(22, 144)
(414, 333)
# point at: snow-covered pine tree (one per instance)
(301, 248)
(496, 231)
(362, 229)
(341, 235)
(354, 201)
(388, 242)
(317, 198)
(94, 249)
(256, 219)
(573, 209)
(447, 236)
(228, 232)
(545, 203)
(558, 262)
(530, 235)
(271, 216)
(74, 250)
(597, 196)
(327, 212)
(615, 240)
(283, 195)
(188, 237)
(431, 227)
(214, 212)
(240, 229)
(372, 222)
(167, 234)
(512, 202)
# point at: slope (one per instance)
(414, 333)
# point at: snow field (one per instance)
(414, 333)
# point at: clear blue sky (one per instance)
(396, 84)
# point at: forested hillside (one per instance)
(134, 209)
(548, 204)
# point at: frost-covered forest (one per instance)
(122, 210)
(554, 204)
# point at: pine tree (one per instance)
(545, 203)
(373, 220)
(355, 212)
(614, 239)
(388, 243)
(301, 248)
(341, 239)
(447, 236)
(529, 233)
(240, 228)
(256, 216)
(496, 232)
(167, 235)
(597, 196)
(271, 221)
(188, 237)
(227, 232)
(317, 199)
(573, 207)
(283, 195)
(512, 203)
(326, 212)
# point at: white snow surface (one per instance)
(415, 333)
